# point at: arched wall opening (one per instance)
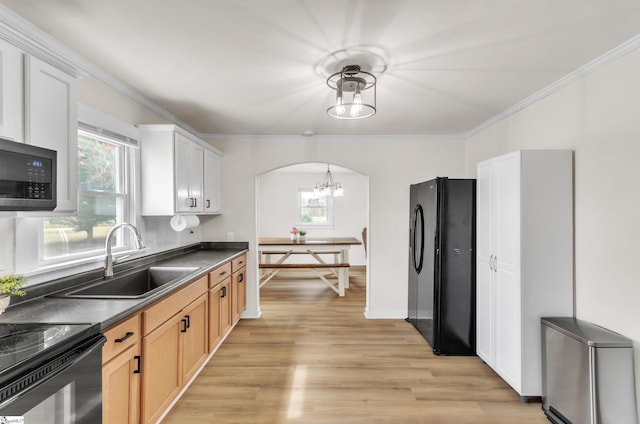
(277, 207)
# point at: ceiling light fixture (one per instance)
(328, 187)
(355, 93)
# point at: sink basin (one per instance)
(132, 285)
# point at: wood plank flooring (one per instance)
(313, 358)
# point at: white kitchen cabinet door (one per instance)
(525, 241)
(196, 176)
(183, 200)
(506, 262)
(212, 182)
(484, 270)
(189, 174)
(51, 122)
(11, 92)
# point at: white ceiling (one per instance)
(252, 66)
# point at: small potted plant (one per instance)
(303, 233)
(10, 286)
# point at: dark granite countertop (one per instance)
(45, 309)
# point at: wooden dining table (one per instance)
(325, 253)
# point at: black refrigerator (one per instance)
(442, 278)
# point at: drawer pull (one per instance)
(126, 336)
(184, 326)
(223, 273)
(138, 369)
(188, 318)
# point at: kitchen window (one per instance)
(104, 198)
(313, 210)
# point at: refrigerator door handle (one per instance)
(418, 236)
(495, 263)
(491, 262)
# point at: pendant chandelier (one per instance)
(355, 93)
(328, 187)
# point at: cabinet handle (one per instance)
(188, 318)
(223, 273)
(491, 262)
(126, 336)
(195, 202)
(224, 292)
(138, 369)
(495, 264)
(241, 277)
(208, 203)
(184, 326)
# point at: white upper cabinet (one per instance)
(188, 177)
(11, 92)
(524, 248)
(176, 169)
(212, 182)
(51, 122)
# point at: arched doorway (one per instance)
(278, 205)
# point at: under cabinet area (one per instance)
(180, 173)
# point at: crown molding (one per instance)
(583, 71)
(330, 137)
(31, 39)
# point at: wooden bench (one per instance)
(342, 273)
(286, 253)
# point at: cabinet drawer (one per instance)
(219, 274)
(238, 263)
(120, 337)
(172, 304)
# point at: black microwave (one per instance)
(27, 177)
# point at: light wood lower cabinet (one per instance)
(174, 346)
(149, 357)
(121, 373)
(238, 287)
(194, 337)
(219, 304)
(238, 291)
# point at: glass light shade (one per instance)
(362, 84)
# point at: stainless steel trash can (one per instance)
(587, 374)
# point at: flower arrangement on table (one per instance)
(294, 233)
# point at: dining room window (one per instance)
(313, 210)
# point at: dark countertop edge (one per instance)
(110, 311)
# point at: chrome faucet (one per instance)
(108, 261)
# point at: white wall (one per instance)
(277, 207)
(599, 118)
(391, 163)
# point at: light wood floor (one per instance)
(314, 358)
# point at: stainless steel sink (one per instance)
(131, 285)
